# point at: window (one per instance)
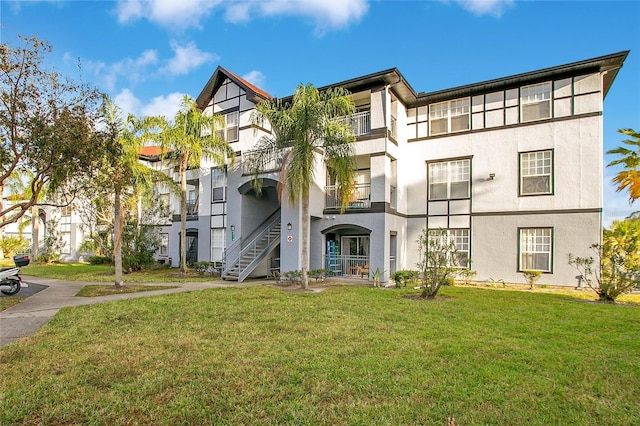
(449, 179)
(65, 211)
(536, 172)
(218, 184)
(535, 102)
(164, 244)
(230, 132)
(217, 244)
(460, 240)
(449, 116)
(417, 122)
(165, 208)
(536, 249)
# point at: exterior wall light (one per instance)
(233, 228)
(289, 226)
(492, 176)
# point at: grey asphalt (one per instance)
(45, 297)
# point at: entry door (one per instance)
(192, 247)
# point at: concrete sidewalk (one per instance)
(25, 318)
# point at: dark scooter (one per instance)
(10, 279)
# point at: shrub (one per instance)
(318, 274)
(438, 255)
(139, 244)
(292, 276)
(99, 260)
(206, 268)
(403, 277)
(466, 275)
(531, 276)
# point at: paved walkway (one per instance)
(25, 318)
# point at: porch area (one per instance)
(347, 265)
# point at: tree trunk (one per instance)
(183, 217)
(118, 227)
(35, 231)
(306, 223)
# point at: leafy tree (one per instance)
(47, 126)
(18, 185)
(438, 254)
(309, 128)
(629, 177)
(121, 172)
(615, 268)
(191, 137)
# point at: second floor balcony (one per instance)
(359, 198)
(360, 122)
(262, 161)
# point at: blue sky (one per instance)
(147, 54)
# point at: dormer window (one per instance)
(535, 101)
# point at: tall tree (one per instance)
(629, 177)
(47, 126)
(310, 128)
(188, 139)
(121, 171)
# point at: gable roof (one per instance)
(253, 93)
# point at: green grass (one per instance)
(105, 273)
(106, 290)
(348, 355)
(7, 302)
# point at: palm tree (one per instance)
(190, 138)
(121, 171)
(309, 127)
(629, 177)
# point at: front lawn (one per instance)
(348, 355)
(105, 273)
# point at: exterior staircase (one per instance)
(242, 257)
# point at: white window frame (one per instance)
(164, 244)
(218, 245)
(461, 238)
(536, 165)
(451, 172)
(218, 181)
(449, 111)
(535, 242)
(535, 94)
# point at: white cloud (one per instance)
(127, 102)
(186, 58)
(163, 105)
(133, 69)
(486, 7)
(176, 15)
(326, 14)
(256, 78)
(183, 14)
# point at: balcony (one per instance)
(360, 122)
(393, 201)
(360, 198)
(262, 161)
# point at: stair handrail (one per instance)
(252, 248)
(232, 253)
(230, 259)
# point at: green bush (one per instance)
(531, 276)
(466, 275)
(403, 277)
(319, 274)
(12, 245)
(99, 260)
(207, 268)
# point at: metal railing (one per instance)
(192, 207)
(360, 197)
(360, 122)
(347, 265)
(262, 161)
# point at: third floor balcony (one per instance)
(360, 122)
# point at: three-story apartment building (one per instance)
(510, 169)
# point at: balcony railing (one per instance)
(192, 207)
(360, 122)
(347, 266)
(262, 161)
(360, 197)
